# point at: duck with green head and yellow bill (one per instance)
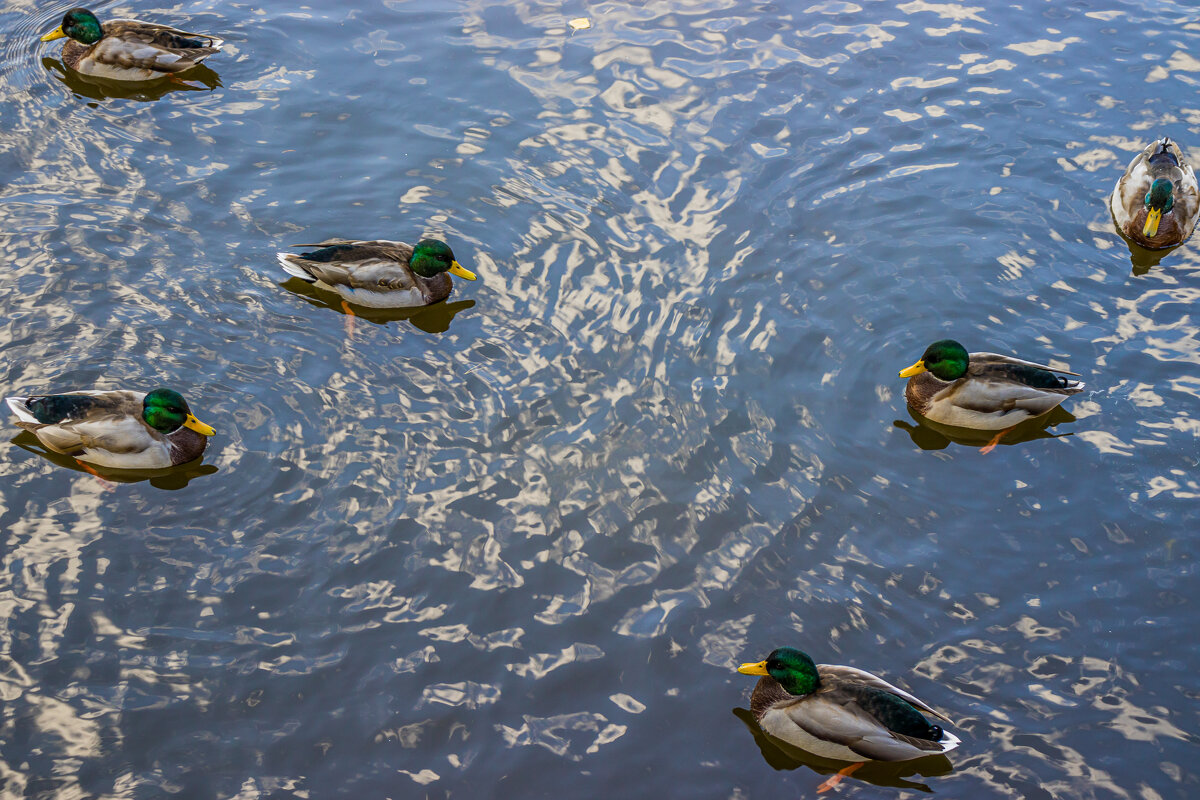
(982, 391)
(841, 713)
(128, 49)
(115, 429)
(379, 273)
(1157, 201)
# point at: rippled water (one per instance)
(514, 545)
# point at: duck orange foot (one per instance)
(835, 779)
(990, 446)
(105, 484)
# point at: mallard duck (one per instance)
(1156, 202)
(118, 429)
(984, 391)
(128, 49)
(842, 713)
(379, 273)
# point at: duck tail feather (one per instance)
(18, 405)
(292, 268)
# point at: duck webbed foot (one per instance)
(105, 484)
(990, 446)
(836, 778)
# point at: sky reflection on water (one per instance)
(522, 540)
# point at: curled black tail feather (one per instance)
(1163, 156)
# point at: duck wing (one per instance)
(379, 266)
(338, 240)
(996, 358)
(1186, 193)
(72, 423)
(998, 384)
(839, 676)
(131, 43)
(161, 36)
(846, 716)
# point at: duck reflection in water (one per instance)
(929, 435)
(170, 478)
(781, 756)
(1142, 259)
(199, 79)
(431, 319)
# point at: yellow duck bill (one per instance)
(1152, 219)
(754, 669)
(57, 33)
(915, 369)
(199, 427)
(461, 271)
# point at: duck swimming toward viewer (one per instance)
(1157, 201)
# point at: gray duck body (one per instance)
(105, 428)
(1160, 159)
(841, 719)
(373, 273)
(133, 50)
(996, 392)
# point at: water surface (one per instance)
(515, 545)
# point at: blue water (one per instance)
(515, 545)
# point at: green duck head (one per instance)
(79, 24)
(795, 671)
(1158, 202)
(431, 257)
(946, 359)
(166, 411)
